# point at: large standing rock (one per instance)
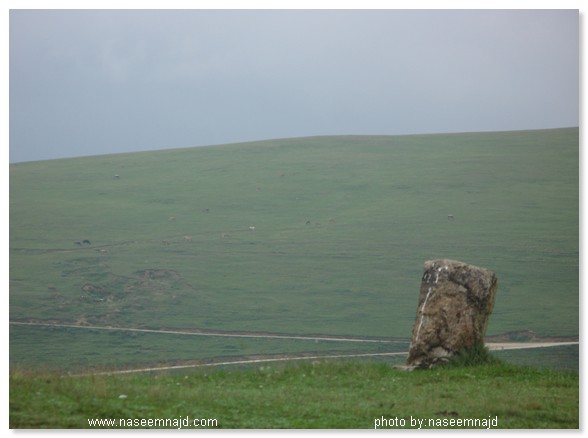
(455, 302)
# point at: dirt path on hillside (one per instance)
(503, 344)
(280, 358)
(257, 335)
(285, 358)
(196, 332)
(494, 346)
(497, 346)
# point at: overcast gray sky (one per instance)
(92, 82)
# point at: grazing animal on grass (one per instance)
(86, 242)
(252, 228)
(187, 238)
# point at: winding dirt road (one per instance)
(497, 346)
(494, 346)
(212, 333)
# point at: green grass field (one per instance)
(343, 226)
(324, 395)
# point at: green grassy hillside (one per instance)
(343, 226)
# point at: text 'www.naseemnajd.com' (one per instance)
(166, 423)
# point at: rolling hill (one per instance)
(319, 235)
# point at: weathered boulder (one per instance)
(455, 302)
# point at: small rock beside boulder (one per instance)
(455, 302)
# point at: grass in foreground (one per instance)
(324, 395)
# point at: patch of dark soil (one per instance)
(157, 274)
(103, 301)
(156, 283)
(94, 291)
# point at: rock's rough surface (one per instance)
(455, 302)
